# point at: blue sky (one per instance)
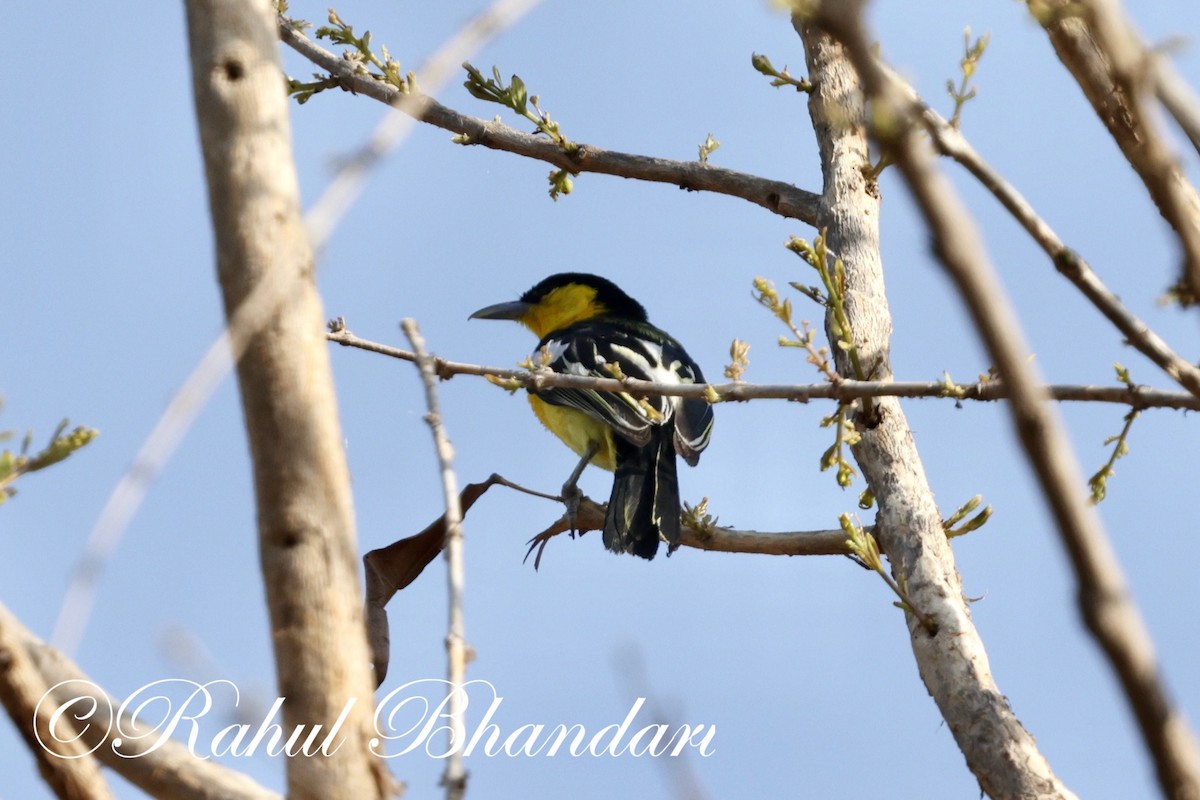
(802, 664)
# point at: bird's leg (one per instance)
(570, 492)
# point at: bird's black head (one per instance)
(594, 295)
(564, 299)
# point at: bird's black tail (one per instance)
(644, 506)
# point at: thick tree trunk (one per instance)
(305, 518)
(952, 662)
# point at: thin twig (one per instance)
(845, 390)
(778, 197)
(214, 366)
(395, 127)
(455, 776)
(1103, 595)
(949, 141)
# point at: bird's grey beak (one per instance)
(513, 310)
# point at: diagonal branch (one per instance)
(949, 141)
(1104, 600)
(66, 766)
(164, 768)
(391, 131)
(1098, 46)
(778, 197)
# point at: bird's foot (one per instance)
(571, 497)
(539, 543)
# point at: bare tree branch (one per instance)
(1103, 595)
(723, 539)
(778, 197)
(305, 514)
(952, 660)
(1107, 59)
(455, 776)
(717, 539)
(844, 390)
(393, 567)
(164, 769)
(949, 141)
(70, 770)
(394, 128)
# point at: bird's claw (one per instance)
(572, 498)
(539, 543)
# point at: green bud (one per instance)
(518, 95)
(762, 64)
(866, 499)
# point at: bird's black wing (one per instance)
(609, 347)
(693, 423)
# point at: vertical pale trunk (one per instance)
(305, 517)
(952, 663)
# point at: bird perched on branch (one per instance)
(589, 326)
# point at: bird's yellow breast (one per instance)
(577, 430)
